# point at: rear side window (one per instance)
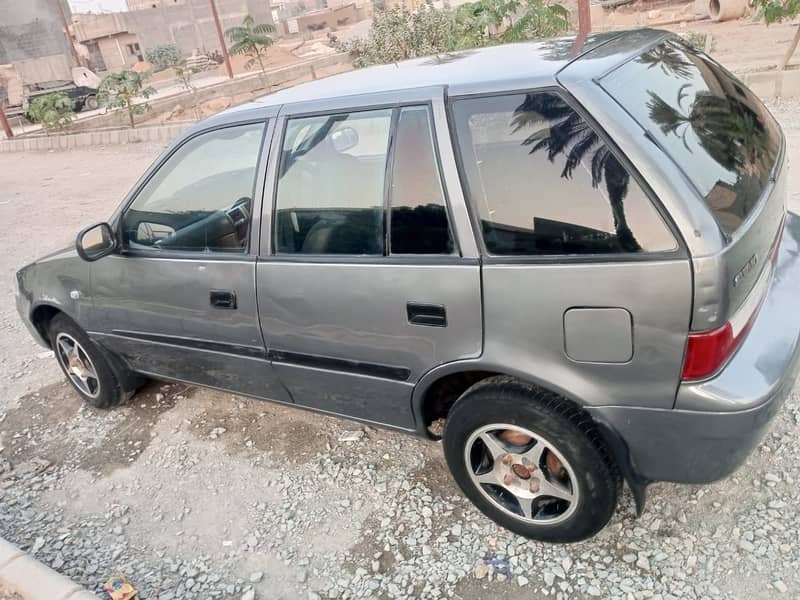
(714, 128)
(418, 216)
(544, 183)
(330, 195)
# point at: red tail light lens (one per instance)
(707, 351)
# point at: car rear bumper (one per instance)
(716, 423)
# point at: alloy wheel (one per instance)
(77, 364)
(521, 473)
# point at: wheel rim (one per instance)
(531, 481)
(77, 365)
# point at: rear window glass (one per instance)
(707, 121)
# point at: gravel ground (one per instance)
(197, 494)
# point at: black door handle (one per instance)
(222, 298)
(431, 315)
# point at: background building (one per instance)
(33, 46)
(115, 41)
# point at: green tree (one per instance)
(487, 22)
(250, 40)
(777, 11)
(399, 34)
(54, 111)
(164, 56)
(120, 90)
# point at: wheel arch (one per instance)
(41, 316)
(429, 387)
(438, 390)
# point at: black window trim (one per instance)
(249, 255)
(680, 252)
(386, 258)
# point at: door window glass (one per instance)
(330, 190)
(200, 199)
(544, 182)
(418, 217)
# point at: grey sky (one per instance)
(97, 5)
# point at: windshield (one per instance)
(707, 121)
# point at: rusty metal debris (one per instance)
(118, 588)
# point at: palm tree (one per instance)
(251, 40)
(568, 134)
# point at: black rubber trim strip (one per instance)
(280, 356)
(223, 347)
(340, 364)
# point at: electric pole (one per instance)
(68, 35)
(584, 18)
(222, 38)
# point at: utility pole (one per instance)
(222, 38)
(68, 35)
(6, 126)
(584, 18)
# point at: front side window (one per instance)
(330, 189)
(200, 199)
(544, 183)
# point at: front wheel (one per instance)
(84, 364)
(530, 461)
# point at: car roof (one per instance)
(466, 71)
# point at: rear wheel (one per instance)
(530, 461)
(84, 364)
(90, 103)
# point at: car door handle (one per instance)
(431, 315)
(222, 298)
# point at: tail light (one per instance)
(708, 351)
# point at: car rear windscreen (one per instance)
(706, 120)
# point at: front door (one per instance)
(362, 284)
(178, 300)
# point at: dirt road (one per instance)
(198, 494)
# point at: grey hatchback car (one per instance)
(570, 259)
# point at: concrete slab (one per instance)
(34, 580)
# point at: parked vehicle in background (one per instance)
(578, 257)
(81, 88)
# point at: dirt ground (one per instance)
(743, 45)
(8, 594)
(198, 494)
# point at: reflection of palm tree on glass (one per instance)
(566, 133)
(671, 60)
(727, 129)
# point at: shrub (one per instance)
(54, 111)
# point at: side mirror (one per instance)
(95, 242)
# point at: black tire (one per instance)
(90, 103)
(571, 433)
(109, 393)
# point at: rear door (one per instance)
(364, 283)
